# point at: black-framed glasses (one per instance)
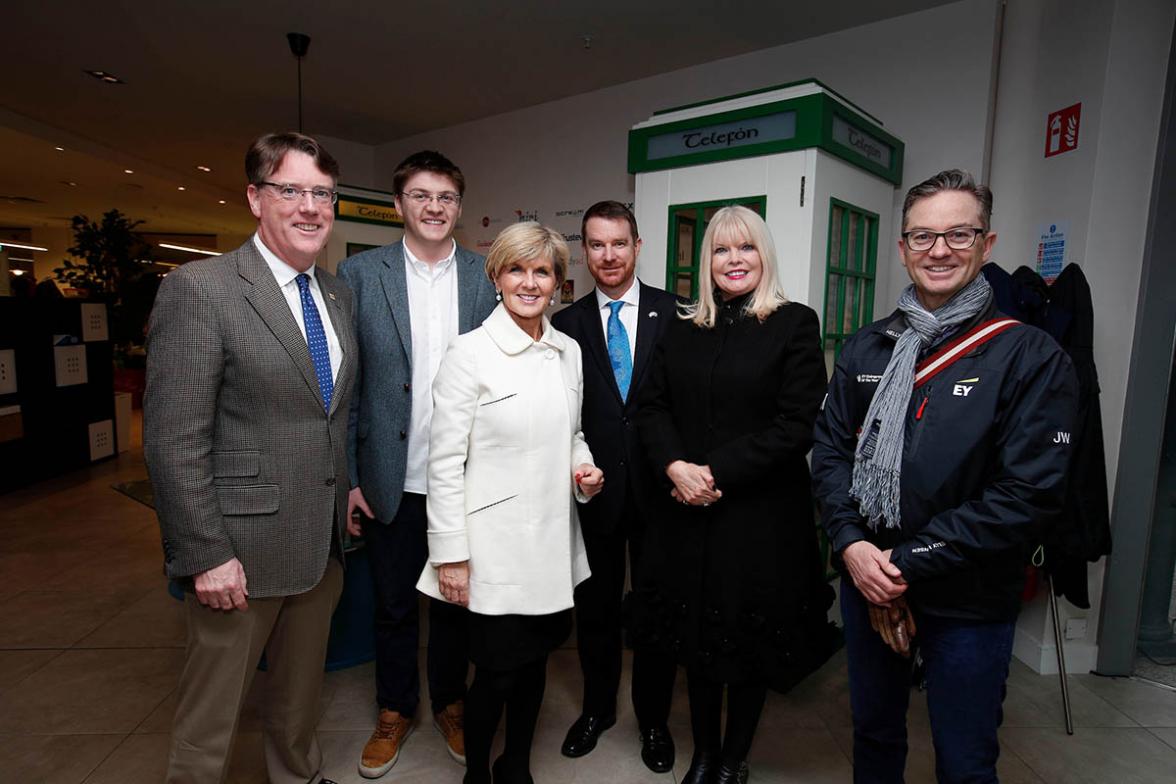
(290, 192)
(959, 238)
(421, 198)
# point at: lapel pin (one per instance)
(653, 314)
(332, 296)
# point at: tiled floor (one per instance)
(90, 646)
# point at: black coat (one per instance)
(737, 587)
(606, 420)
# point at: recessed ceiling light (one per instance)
(129, 171)
(203, 168)
(59, 149)
(105, 76)
(221, 201)
(70, 183)
(189, 249)
(21, 245)
(181, 188)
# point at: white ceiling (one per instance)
(205, 78)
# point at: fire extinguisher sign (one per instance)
(1061, 130)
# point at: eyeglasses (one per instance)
(290, 192)
(421, 198)
(959, 238)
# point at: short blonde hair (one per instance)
(727, 226)
(525, 242)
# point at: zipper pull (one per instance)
(923, 405)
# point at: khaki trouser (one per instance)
(222, 654)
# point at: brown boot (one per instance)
(383, 747)
(449, 722)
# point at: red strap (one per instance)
(957, 349)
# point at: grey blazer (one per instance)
(243, 459)
(377, 437)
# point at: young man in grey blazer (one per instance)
(250, 366)
(411, 298)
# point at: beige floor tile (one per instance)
(159, 720)
(54, 619)
(31, 571)
(156, 620)
(1097, 755)
(1146, 703)
(139, 758)
(15, 666)
(40, 758)
(1036, 701)
(1166, 734)
(90, 692)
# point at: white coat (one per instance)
(505, 436)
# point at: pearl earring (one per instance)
(498, 296)
(552, 299)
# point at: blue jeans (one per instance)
(967, 664)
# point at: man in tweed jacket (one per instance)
(251, 363)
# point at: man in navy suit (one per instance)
(411, 298)
(617, 326)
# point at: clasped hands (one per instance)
(882, 583)
(693, 484)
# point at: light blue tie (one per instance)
(618, 349)
(316, 340)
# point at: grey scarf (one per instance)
(877, 465)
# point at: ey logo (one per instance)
(963, 387)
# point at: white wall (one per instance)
(562, 156)
(1111, 57)
(550, 161)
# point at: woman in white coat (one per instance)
(507, 463)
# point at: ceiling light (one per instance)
(17, 272)
(221, 201)
(22, 246)
(128, 171)
(70, 183)
(19, 258)
(203, 168)
(105, 76)
(59, 149)
(205, 251)
(181, 188)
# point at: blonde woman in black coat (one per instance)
(727, 415)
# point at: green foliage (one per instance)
(111, 272)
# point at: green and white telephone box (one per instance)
(821, 171)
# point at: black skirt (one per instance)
(506, 642)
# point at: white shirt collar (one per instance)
(630, 297)
(509, 337)
(282, 271)
(430, 269)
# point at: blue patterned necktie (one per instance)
(618, 349)
(316, 340)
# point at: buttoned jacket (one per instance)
(381, 413)
(244, 459)
(505, 438)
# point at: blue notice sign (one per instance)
(1051, 250)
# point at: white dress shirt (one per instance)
(287, 276)
(628, 314)
(432, 311)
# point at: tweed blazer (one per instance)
(505, 436)
(381, 411)
(243, 459)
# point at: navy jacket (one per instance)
(985, 459)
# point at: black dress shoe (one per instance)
(657, 749)
(733, 775)
(582, 736)
(703, 768)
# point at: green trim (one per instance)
(763, 90)
(814, 116)
(372, 221)
(699, 208)
(861, 268)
